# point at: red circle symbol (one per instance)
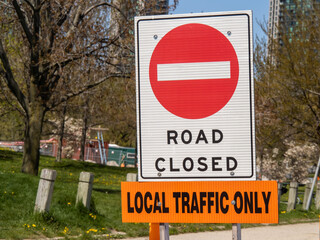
(194, 71)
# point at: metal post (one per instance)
(279, 193)
(313, 183)
(103, 150)
(164, 231)
(236, 231)
(101, 158)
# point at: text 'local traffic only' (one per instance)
(200, 202)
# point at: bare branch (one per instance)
(313, 92)
(6, 4)
(86, 88)
(23, 21)
(9, 101)
(12, 84)
(103, 4)
(30, 4)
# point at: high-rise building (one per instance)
(283, 16)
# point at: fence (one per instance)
(116, 155)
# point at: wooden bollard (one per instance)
(293, 192)
(306, 195)
(131, 177)
(45, 190)
(85, 189)
(317, 201)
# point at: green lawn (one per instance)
(18, 193)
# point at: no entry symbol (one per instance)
(194, 71)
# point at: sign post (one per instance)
(195, 123)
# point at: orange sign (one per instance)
(200, 202)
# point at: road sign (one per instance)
(200, 202)
(194, 71)
(195, 109)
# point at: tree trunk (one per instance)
(61, 133)
(32, 138)
(84, 132)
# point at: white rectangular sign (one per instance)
(195, 104)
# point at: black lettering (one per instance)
(239, 203)
(204, 165)
(235, 163)
(214, 164)
(157, 203)
(171, 167)
(266, 200)
(210, 203)
(248, 202)
(177, 195)
(201, 137)
(172, 135)
(146, 207)
(164, 208)
(184, 164)
(214, 139)
(185, 202)
(194, 204)
(257, 209)
(217, 203)
(202, 202)
(130, 209)
(224, 209)
(183, 136)
(139, 206)
(157, 164)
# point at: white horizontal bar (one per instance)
(193, 71)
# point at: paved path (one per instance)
(302, 231)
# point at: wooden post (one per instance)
(236, 231)
(132, 177)
(279, 193)
(317, 201)
(85, 188)
(306, 195)
(293, 192)
(45, 190)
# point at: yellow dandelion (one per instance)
(69, 203)
(43, 229)
(70, 174)
(283, 211)
(33, 225)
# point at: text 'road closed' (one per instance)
(207, 202)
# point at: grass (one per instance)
(65, 219)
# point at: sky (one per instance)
(258, 7)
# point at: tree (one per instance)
(55, 36)
(288, 83)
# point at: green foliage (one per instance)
(66, 219)
(287, 84)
